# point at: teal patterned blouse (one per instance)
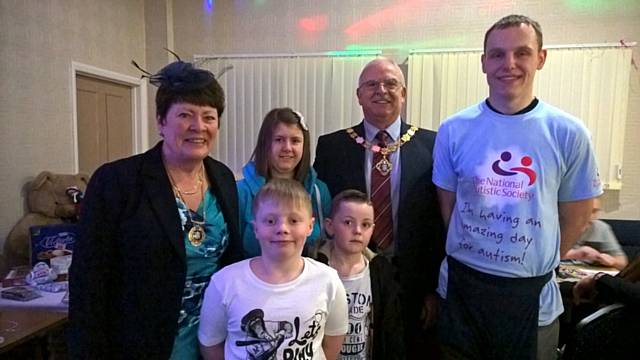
(202, 262)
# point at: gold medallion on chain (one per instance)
(196, 234)
(384, 166)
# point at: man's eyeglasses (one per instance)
(389, 84)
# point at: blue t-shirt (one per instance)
(509, 172)
(202, 262)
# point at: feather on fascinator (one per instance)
(179, 76)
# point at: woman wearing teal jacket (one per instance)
(282, 151)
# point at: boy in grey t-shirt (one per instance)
(372, 293)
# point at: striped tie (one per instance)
(381, 198)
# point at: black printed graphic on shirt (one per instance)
(265, 338)
(355, 342)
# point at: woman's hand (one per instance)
(585, 289)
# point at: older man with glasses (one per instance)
(391, 161)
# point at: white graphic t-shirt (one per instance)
(358, 288)
(258, 320)
(508, 173)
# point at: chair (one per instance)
(612, 332)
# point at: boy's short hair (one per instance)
(349, 195)
(283, 191)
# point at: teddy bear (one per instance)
(51, 199)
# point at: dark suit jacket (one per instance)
(420, 237)
(129, 266)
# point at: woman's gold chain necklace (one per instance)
(197, 233)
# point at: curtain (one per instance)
(322, 88)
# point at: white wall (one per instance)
(38, 41)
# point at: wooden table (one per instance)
(19, 326)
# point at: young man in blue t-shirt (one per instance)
(516, 179)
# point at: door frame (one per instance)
(138, 104)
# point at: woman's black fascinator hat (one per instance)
(182, 81)
(178, 76)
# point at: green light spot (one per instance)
(602, 5)
(352, 52)
(450, 42)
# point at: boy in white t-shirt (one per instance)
(278, 305)
(375, 322)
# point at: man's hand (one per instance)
(583, 253)
(429, 313)
(606, 260)
(591, 254)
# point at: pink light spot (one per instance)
(313, 23)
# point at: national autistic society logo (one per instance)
(525, 161)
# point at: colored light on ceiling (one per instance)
(361, 47)
(602, 4)
(385, 17)
(354, 52)
(208, 5)
(313, 23)
(448, 42)
(247, 5)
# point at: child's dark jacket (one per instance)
(386, 329)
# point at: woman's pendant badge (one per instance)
(196, 235)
